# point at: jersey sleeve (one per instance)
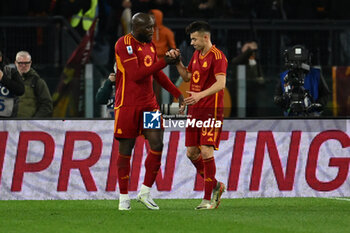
(124, 51)
(220, 64)
(165, 82)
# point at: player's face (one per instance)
(146, 31)
(197, 40)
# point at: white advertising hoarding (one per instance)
(76, 159)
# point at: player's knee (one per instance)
(193, 154)
(157, 146)
(207, 152)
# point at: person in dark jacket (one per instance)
(11, 86)
(106, 94)
(36, 101)
(254, 79)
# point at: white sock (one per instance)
(145, 189)
(123, 197)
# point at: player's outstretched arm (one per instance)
(128, 61)
(165, 82)
(137, 72)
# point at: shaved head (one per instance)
(142, 25)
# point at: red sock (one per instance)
(152, 165)
(198, 163)
(123, 165)
(209, 177)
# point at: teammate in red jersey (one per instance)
(137, 64)
(207, 75)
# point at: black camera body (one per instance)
(296, 98)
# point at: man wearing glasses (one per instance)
(36, 101)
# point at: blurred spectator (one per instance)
(163, 39)
(67, 8)
(36, 101)
(141, 6)
(204, 8)
(115, 16)
(254, 80)
(170, 8)
(125, 18)
(311, 9)
(340, 10)
(11, 86)
(84, 18)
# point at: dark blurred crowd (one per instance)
(267, 9)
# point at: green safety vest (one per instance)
(87, 18)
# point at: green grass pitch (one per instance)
(257, 215)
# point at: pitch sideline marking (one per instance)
(339, 198)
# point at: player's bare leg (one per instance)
(123, 165)
(152, 165)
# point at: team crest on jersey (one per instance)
(147, 61)
(205, 65)
(152, 50)
(195, 76)
(194, 62)
(129, 49)
(139, 49)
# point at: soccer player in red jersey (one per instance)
(207, 75)
(137, 64)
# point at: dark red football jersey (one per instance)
(204, 68)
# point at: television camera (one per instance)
(296, 99)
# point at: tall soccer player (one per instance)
(137, 64)
(207, 75)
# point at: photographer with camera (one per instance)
(106, 93)
(301, 90)
(11, 86)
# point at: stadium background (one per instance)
(320, 25)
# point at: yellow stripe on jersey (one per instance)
(122, 70)
(127, 39)
(217, 74)
(155, 152)
(116, 120)
(126, 60)
(215, 114)
(217, 53)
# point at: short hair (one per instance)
(198, 26)
(23, 54)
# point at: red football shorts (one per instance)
(209, 136)
(128, 120)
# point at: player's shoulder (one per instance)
(217, 53)
(125, 40)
